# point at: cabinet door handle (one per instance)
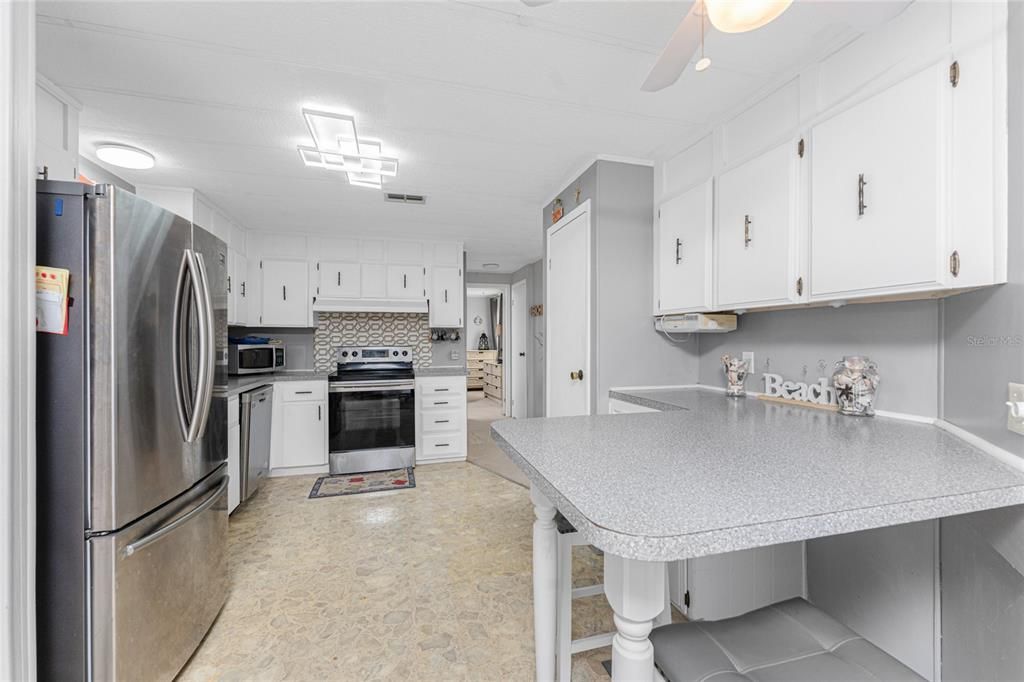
(954, 264)
(861, 206)
(440, 402)
(229, 284)
(445, 295)
(442, 445)
(746, 231)
(405, 281)
(440, 390)
(284, 292)
(303, 392)
(319, 415)
(679, 244)
(339, 278)
(243, 289)
(441, 421)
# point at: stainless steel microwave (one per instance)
(254, 358)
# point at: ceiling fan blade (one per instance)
(536, 3)
(677, 54)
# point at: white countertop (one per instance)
(724, 474)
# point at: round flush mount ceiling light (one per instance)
(740, 16)
(124, 156)
(491, 266)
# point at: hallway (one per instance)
(483, 452)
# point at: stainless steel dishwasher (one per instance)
(254, 445)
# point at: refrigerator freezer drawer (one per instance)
(158, 585)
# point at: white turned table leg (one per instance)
(545, 573)
(636, 592)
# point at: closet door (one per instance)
(878, 223)
(756, 233)
(683, 241)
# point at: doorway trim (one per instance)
(518, 364)
(582, 209)
(17, 330)
(506, 312)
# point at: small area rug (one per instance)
(368, 482)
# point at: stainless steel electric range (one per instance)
(372, 410)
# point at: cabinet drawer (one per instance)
(299, 391)
(443, 401)
(443, 420)
(441, 387)
(446, 445)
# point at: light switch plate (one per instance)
(1015, 395)
(748, 357)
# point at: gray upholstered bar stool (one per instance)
(791, 641)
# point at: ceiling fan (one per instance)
(727, 16)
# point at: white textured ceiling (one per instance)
(489, 106)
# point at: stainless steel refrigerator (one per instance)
(131, 438)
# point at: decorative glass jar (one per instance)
(736, 371)
(855, 379)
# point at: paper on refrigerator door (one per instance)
(52, 300)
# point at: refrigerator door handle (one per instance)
(178, 354)
(204, 387)
(164, 531)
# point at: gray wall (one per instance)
(900, 337)
(488, 278)
(534, 276)
(627, 350)
(983, 554)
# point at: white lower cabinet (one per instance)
(299, 433)
(730, 584)
(234, 459)
(440, 419)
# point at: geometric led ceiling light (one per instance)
(337, 146)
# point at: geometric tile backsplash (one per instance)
(369, 329)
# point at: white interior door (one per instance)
(567, 313)
(518, 351)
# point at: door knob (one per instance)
(522, 355)
(576, 376)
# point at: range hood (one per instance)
(370, 305)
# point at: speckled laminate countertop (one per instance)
(664, 399)
(441, 371)
(729, 474)
(240, 384)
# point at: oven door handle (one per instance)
(368, 387)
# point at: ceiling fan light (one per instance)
(702, 64)
(740, 16)
(125, 156)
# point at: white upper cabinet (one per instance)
(405, 252)
(757, 245)
(406, 281)
(374, 280)
(286, 300)
(879, 179)
(339, 280)
(683, 239)
(446, 292)
(239, 299)
(445, 253)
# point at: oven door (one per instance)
(372, 416)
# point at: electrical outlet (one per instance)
(748, 357)
(455, 355)
(1015, 405)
